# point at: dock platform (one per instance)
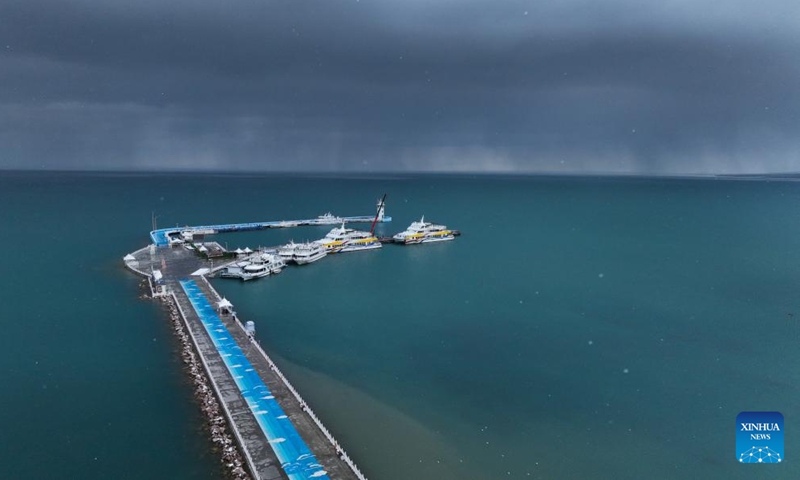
(277, 430)
(161, 237)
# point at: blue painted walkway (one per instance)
(296, 459)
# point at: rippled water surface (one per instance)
(580, 327)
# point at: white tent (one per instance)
(225, 306)
(224, 303)
(129, 258)
(239, 251)
(247, 250)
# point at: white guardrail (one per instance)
(339, 450)
(135, 268)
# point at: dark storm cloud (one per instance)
(677, 87)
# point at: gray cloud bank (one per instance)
(669, 87)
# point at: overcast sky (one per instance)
(572, 86)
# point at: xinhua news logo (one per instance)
(759, 437)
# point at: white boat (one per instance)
(327, 219)
(274, 263)
(286, 252)
(423, 232)
(255, 270)
(309, 253)
(260, 266)
(302, 253)
(343, 239)
(245, 271)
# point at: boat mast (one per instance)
(380, 207)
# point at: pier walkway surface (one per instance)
(296, 459)
(286, 442)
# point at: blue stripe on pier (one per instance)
(296, 458)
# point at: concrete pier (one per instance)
(176, 265)
(162, 236)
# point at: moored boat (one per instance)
(343, 239)
(327, 219)
(302, 253)
(245, 271)
(274, 263)
(424, 232)
(260, 266)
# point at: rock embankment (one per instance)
(217, 424)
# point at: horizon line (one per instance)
(301, 173)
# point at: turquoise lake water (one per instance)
(607, 328)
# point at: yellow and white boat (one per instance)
(424, 232)
(343, 239)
